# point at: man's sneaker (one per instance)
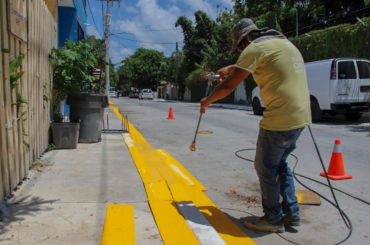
(289, 221)
(261, 224)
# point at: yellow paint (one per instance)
(173, 229)
(181, 173)
(205, 132)
(119, 225)
(166, 182)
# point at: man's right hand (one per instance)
(223, 72)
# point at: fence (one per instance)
(25, 110)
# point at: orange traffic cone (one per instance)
(170, 115)
(336, 168)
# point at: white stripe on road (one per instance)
(200, 226)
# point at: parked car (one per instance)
(133, 94)
(113, 93)
(146, 94)
(122, 93)
(337, 86)
(257, 103)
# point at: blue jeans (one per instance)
(273, 148)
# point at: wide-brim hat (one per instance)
(240, 30)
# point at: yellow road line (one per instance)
(166, 186)
(179, 171)
(119, 225)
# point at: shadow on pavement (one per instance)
(15, 212)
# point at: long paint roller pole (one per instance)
(211, 77)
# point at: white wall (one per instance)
(187, 94)
(240, 96)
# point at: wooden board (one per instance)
(307, 197)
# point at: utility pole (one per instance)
(107, 19)
(177, 70)
(296, 20)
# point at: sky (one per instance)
(146, 23)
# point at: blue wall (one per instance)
(81, 13)
(67, 24)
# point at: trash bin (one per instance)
(166, 96)
(89, 108)
(65, 135)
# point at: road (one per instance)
(216, 166)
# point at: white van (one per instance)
(336, 86)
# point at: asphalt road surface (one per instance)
(216, 166)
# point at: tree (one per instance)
(312, 14)
(98, 50)
(141, 68)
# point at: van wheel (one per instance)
(352, 116)
(316, 113)
(257, 109)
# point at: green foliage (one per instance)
(14, 77)
(20, 101)
(50, 147)
(58, 118)
(194, 76)
(13, 66)
(340, 41)
(199, 36)
(141, 68)
(98, 51)
(281, 15)
(72, 65)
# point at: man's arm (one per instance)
(235, 77)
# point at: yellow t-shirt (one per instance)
(278, 68)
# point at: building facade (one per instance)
(72, 17)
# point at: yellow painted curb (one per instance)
(119, 225)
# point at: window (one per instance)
(81, 33)
(346, 70)
(363, 69)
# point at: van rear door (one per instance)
(364, 80)
(346, 90)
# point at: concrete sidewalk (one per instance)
(64, 201)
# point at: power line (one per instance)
(320, 31)
(308, 25)
(146, 42)
(121, 14)
(338, 23)
(102, 14)
(115, 17)
(88, 2)
(147, 30)
(120, 41)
